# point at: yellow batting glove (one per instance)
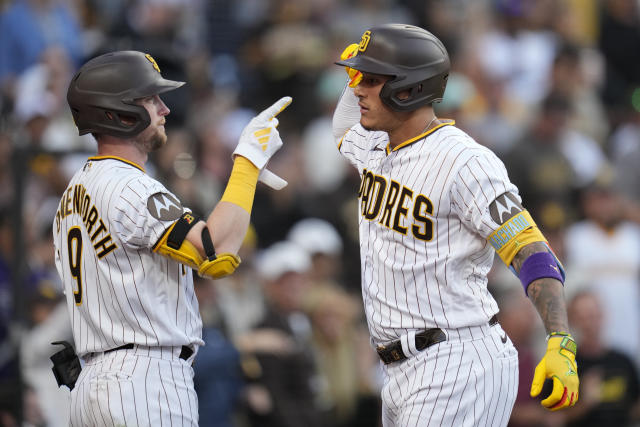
(354, 75)
(559, 364)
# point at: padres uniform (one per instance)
(119, 292)
(424, 221)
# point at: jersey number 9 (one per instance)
(74, 241)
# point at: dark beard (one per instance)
(153, 143)
(157, 141)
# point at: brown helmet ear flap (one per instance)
(107, 119)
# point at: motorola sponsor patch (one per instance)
(164, 206)
(504, 207)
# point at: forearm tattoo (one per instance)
(546, 294)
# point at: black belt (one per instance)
(185, 352)
(392, 352)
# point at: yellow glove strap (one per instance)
(241, 187)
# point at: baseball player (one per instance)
(435, 206)
(125, 247)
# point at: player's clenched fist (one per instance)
(260, 138)
(354, 75)
(559, 364)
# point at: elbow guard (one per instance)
(174, 245)
(216, 266)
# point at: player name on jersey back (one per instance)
(77, 201)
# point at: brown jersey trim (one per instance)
(448, 122)
(129, 162)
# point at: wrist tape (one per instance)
(537, 266)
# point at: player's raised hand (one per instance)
(559, 365)
(260, 139)
(355, 76)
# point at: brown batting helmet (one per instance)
(103, 92)
(415, 58)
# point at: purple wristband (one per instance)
(537, 266)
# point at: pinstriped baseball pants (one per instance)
(137, 387)
(471, 379)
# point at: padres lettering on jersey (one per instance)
(383, 201)
(424, 220)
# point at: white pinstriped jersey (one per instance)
(424, 220)
(118, 291)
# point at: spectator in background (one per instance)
(517, 50)
(40, 103)
(551, 162)
(619, 36)
(346, 362)
(9, 364)
(625, 151)
(538, 168)
(241, 296)
(49, 321)
(568, 77)
(28, 28)
(322, 242)
(217, 371)
(609, 382)
(283, 392)
(603, 255)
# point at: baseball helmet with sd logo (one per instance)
(104, 89)
(415, 58)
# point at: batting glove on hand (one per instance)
(355, 76)
(260, 140)
(559, 363)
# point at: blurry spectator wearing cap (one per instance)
(603, 254)
(609, 382)
(576, 73)
(322, 242)
(282, 390)
(551, 161)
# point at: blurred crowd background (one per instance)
(552, 86)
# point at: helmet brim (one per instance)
(157, 87)
(366, 64)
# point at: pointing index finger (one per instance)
(276, 108)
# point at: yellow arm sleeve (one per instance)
(241, 187)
